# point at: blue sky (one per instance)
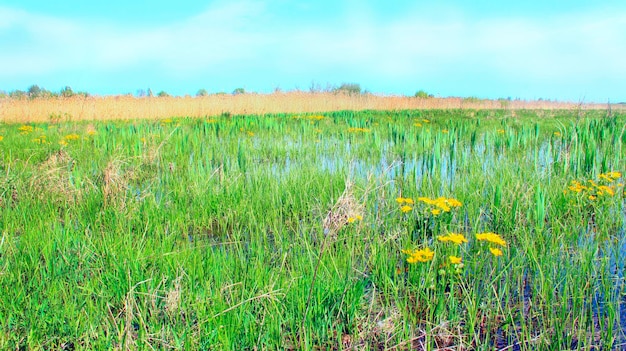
(567, 50)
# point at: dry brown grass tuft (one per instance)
(53, 179)
(128, 107)
(345, 207)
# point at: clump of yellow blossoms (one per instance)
(358, 130)
(25, 129)
(495, 251)
(355, 218)
(454, 259)
(492, 238)
(591, 189)
(453, 238)
(405, 204)
(441, 204)
(419, 255)
(72, 137)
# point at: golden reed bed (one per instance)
(128, 107)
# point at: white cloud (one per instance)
(584, 46)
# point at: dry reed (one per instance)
(128, 107)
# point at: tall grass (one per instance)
(285, 232)
(130, 108)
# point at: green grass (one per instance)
(241, 232)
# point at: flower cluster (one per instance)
(426, 254)
(25, 129)
(605, 185)
(406, 204)
(452, 238)
(419, 255)
(358, 130)
(355, 218)
(440, 204)
(492, 238)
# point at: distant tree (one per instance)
(202, 92)
(140, 93)
(162, 93)
(239, 91)
(34, 91)
(423, 95)
(149, 93)
(18, 94)
(348, 88)
(67, 92)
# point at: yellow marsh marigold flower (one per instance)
(406, 208)
(62, 142)
(355, 218)
(454, 202)
(610, 176)
(26, 129)
(419, 255)
(491, 237)
(435, 211)
(577, 187)
(72, 137)
(453, 238)
(455, 260)
(1, 137)
(404, 200)
(495, 251)
(606, 189)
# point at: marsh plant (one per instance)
(410, 230)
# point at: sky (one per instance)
(559, 50)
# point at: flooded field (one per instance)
(408, 230)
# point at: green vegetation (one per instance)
(371, 230)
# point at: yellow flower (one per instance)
(454, 259)
(491, 237)
(1, 137)
(62, 142)
(557, 133)
(358, 130)
(435, 212)
(351, 219)
(417, 124)
(359, 217)
(406, 208)
(606, 189)
(419, 255)
(25, 129)
(500, 131)
(452, 237)
(404, 200)
(495, 251)
(166, 121)
(454, 203)
(72, 137)
(591, 197)
(249, 133)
